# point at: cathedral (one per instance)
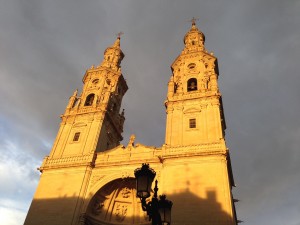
(88, 177)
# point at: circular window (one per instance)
(191, 66)
(96, 81)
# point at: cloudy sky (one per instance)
(46, 46)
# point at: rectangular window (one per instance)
(192, 123)
(76, 136)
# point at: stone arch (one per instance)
(102, 181)
(89, 99)
(115, 203)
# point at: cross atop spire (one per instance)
(119, 34)
(193, 20)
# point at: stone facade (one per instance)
(88, 176)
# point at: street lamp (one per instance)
(159, 211)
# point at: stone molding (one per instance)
(195, 95)
(121, 155)
(78, 160)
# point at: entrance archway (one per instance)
(116, 203)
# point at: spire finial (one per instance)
(119, 34)
(193, 21)
(117, 42)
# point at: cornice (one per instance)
(191, 96)
(69, 161)
(135, 154)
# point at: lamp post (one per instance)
(159, 211)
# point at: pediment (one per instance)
(122, 154)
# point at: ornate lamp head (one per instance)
(144, 178)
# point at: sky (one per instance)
(46, 47)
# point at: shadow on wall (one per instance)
(116, 203)
(189, 209)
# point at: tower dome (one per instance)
(194, 39)
(116, 49)
(113, 56)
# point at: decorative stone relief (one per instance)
(121, 212)
(116, 203)
(125, 192)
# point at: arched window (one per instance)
(89, 100)
(192, 84)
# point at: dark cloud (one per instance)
(46, 46)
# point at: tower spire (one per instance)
(193, 21)
(119, 34)
(193, 86)
(194, 38)
(117, 42)
(113, 55)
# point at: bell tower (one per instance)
(91, 124)
(194, 104)
(196, 161)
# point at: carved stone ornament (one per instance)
(121, 212)
(116, 203)
(125, 192)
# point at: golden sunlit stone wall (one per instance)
(88, 178)
(58, 196)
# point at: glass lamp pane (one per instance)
(144, 178)
(142, 187)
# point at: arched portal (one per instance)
(116, 203)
